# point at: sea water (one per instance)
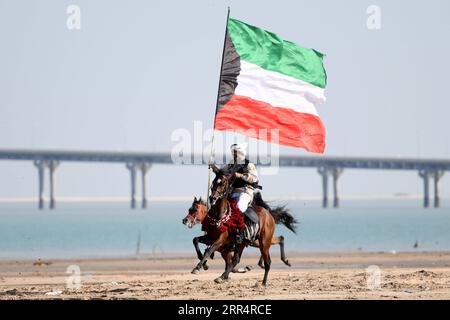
(75, 230)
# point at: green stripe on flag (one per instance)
(272, 53)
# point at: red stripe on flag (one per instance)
(301, 130)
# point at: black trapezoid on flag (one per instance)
(231, 68)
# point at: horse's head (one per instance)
(220, 187)
(196, 214)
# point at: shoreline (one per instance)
(419, 275)
(191, 254)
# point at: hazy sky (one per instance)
(138, 70)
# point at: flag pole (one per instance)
(217, 106)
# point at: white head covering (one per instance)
(241, 149)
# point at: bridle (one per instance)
(193, 212)
(220, 195)
(226, 190)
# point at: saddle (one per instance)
(250, 215)
(251, 221)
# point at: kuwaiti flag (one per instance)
(270, 83)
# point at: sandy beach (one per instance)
(312, 276)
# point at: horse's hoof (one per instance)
(195, 271)
(205, 267)
(220, 280)
(242, 270)
(286, 262)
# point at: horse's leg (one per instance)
(266, 256)
(278, 240)
(256, 245)
(283, 254)
(261, 262)
(238, 254)
(216, 245)
(205, 265)
(234, 270)
(265, 241)
(196, 241)
(231, 264)
(228, 257)
(207, 254)
(248, 267)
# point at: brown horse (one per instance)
(197, 213)
(220, 211)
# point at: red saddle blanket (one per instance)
(214, 230)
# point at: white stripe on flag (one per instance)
(278, 89)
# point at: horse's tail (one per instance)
(279, 213)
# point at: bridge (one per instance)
(141, 162)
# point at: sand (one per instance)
(312, 276)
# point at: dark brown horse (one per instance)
(220, 212)
(197, 213)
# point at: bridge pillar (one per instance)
(425, 175)
(132, 167)
(40, 165)
(52, 165)
(336, 172)
(324, 172)
(144, 169)
(437, 175)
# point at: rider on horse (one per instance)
(243, 187)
